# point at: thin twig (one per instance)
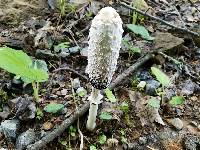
(81, 135)
(79, 112)
(159, 20)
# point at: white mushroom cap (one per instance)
(104, 44)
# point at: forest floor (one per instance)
(141, 114)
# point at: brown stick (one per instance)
(159, 20)
(78, 113)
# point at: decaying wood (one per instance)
(79, 112)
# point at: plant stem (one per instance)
(94, 98)
(36, 90)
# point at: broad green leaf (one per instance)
(102, 139)
(141, 30)
(92, 147)
(14, 61)
(160, 76)
(110, 95)
(153, 102)
(177, 100)
(105, 116)
(53, 108)
(20, 64)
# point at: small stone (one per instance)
(142, 140)
(5, 113)
(73, 50)
(10, 128)
(141, 85)
(177, 123)
(151, 86)
(76, 83)
(47, 126)
(25, 139)
(81, 92)
(63, 92)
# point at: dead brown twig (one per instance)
(159, 20)
(79, 112)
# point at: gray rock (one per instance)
(76, 83)
(151, 86)
(10, 128)
(25, 139)
(188, 87)
(75, 49)
(177, 123)
(5, 113)
(142, 140)
(25, 108)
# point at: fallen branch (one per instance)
(78, 113)
(159, 20)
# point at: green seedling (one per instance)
(102, 139)
(105, 116)
(162, 78)
(110, 95)
(123, 136)
(62, 7)
(72, 131)
(39, 114)
(125, 108)
(19, 63)
(141, 30)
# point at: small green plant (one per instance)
(53, 108)
(123, 136)
(162, 78)
(62, 7)
(105, 116)
(125, 108)
(176, 100)
(141, 30)
(110, 95)
(39, 114)
(153, 102)
(92, 147)
(19, 63)
(102, 139)
(72, 131)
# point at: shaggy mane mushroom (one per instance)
(104, 44)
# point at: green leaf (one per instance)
(160, 76)
(141, 30)
(20, 64)
(177, 100)
(110, 95)
(53, 108)
(92, 147)
(153, 102)
(105, 116)
(102, 139)
(124, 107)
(62, 45)
(14, 61)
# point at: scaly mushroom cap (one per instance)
(104, 44)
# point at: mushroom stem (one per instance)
(94, 99)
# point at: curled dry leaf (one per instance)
(146, 113)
